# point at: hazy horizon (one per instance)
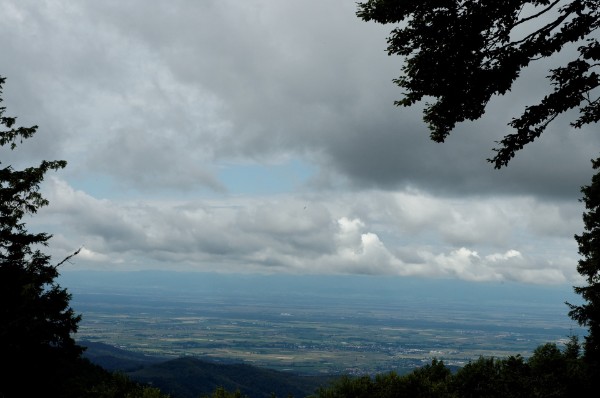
(373, 286)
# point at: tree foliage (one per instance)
(36, 321)
(588, 314)
(549, 372)
(461, 53)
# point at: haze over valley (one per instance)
(318, 324)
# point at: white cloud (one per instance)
(89, 255)
(252, 234)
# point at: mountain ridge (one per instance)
(191, 377)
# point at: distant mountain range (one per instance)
(190, 377)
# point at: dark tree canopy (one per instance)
(588, 314)
(36, 321)
(460, 53)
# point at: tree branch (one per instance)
(70, 256)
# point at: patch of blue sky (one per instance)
(100, 186)
(253, 179)
(265, 179)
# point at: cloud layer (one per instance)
(152, 103)
(372, 232)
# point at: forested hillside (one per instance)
(551, 371)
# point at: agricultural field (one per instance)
(312, 333)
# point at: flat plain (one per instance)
(317, 324)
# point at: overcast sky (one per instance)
(261, 136)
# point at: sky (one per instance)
(261, 137)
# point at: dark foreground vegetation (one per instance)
(76, 378)
(191, 377)
(549, 372)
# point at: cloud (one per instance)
(89, 255)
(251, 234)
(166, 91)
(149, 104)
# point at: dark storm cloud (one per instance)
(220, 79)
(295, 81)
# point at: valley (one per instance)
(310, 330)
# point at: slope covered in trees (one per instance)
(550, 372)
